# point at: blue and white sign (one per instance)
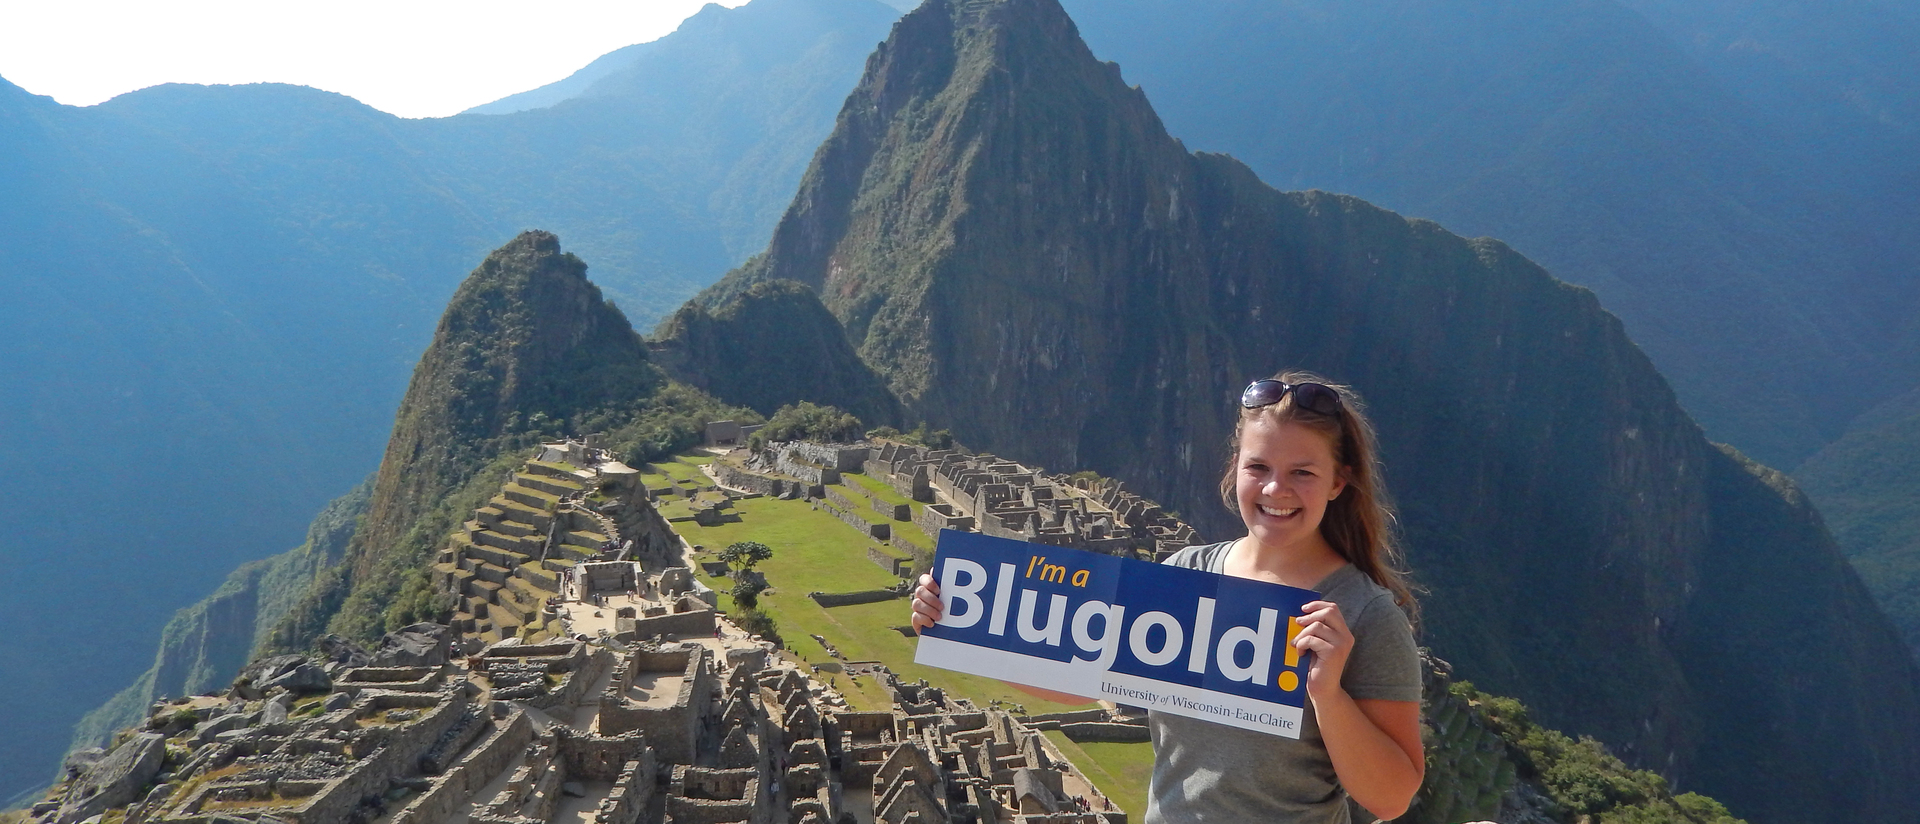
(1174, 640)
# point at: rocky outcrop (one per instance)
(115, 780)
(1014, 242)
(418, 645)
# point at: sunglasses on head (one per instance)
(1313, 397)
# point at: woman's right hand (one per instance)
(926, 603)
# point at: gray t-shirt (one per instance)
(1208, 772)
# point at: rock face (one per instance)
(115, 780)
(1012, 240)
(419, 645)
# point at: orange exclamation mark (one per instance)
(1290, 680)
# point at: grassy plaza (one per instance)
(813, 551)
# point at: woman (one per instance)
(1305, 482)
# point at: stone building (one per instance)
(1003, 498)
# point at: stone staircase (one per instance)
(509, 558)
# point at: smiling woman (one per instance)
(414, 58)
(1304, 478)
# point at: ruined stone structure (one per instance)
(689, 732)
(1002, 498)
(571, 505)
(587, 678)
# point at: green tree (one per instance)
(808, 422)
(743, 555)
(755, 622)
(746, 592)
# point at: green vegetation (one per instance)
(746, 593)
(742, 555)
(758, 622)
(770, 345)
(1867, 485)
(203, 645)
(526, 352)
(920, 436)
(814, 551)
(806, 421)
(1583, 781)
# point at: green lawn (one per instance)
(814, 551)
(684, 468)
(1121, 771)
(878, 487)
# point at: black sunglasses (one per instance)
(1313, 397)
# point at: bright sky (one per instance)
(413, 58)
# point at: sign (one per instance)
(1173, 640)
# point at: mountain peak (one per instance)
(966, 109)
(525, 339)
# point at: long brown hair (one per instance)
(1359, 524)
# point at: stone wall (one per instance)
(936, 517)
(400, 679)
(608, 576)
(922, 558)
(631, 794)
(672, 731)
(453, 791)
(396, 758)
(1106, 731)
(814, 474)
(574, 684)
(846, 599)
(698, 622)
(476, 723)
(599, 757)
(702, 795)
(902, 567)
(841, 458)
(737, 478)
(848, 513)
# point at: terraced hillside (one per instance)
(504, 564)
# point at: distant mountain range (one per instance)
(211, 298)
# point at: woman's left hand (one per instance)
(1323, 632)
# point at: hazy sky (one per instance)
(414, 58)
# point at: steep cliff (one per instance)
(1013, 241)
(205, 644)
(526, 348)
(1864, 485)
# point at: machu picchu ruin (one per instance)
(586, 672)
(593, 666)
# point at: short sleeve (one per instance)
(1183, 558)
(1385, 664)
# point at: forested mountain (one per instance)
(211, 298)
(1014, 242)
